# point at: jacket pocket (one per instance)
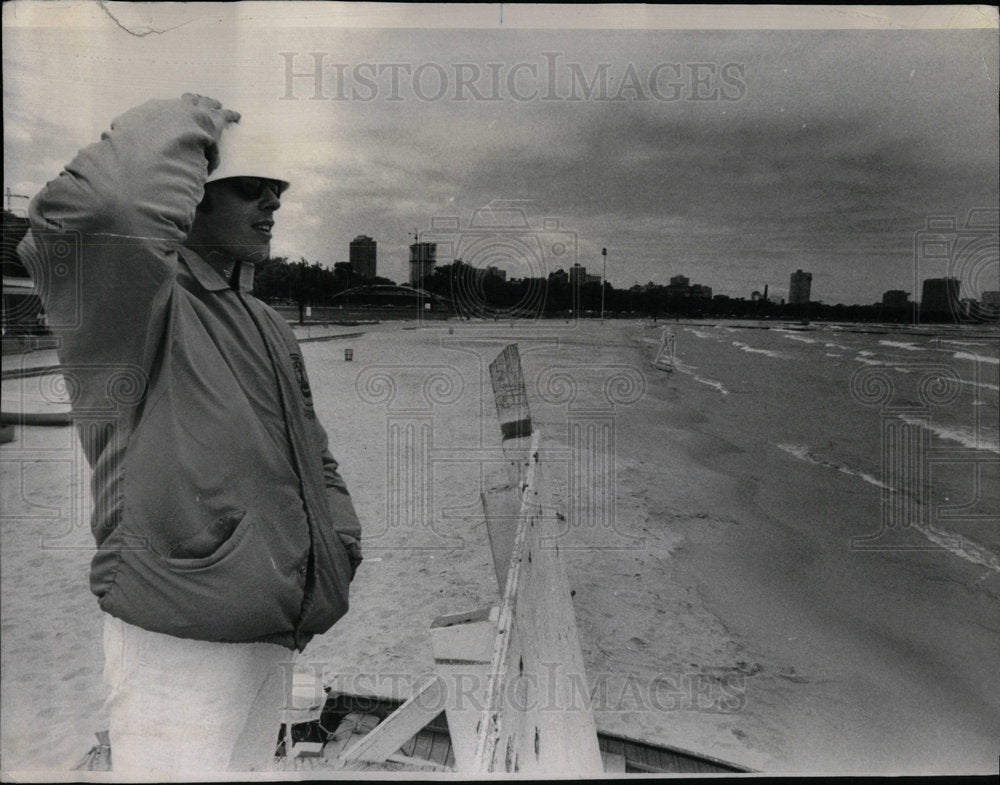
(238, 593)
(212, 544)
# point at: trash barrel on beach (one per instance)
(348, 355)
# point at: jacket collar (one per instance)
(213, 281)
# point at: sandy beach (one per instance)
(720, 606)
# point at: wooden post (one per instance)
(510, 678)
(538, 718)
(502, 507)
(463, 651)
(510, 394)
(513, 412)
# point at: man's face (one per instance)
(236, 217)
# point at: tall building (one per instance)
(990, 299)
(577, 275)
(989, 303)
(422, 261)
(798, 288)
(363, 256)
(895, 298)
(940, 296)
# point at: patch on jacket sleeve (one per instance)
(303, 380)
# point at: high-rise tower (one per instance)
(422, 261)
(363, 250)
(798, 288)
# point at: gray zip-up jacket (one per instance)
(219, 513)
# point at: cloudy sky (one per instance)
(732, 156)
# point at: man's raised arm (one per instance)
(104, 233)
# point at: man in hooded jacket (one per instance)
(225, 535)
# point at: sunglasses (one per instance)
(251, 188)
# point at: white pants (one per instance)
(180, 706)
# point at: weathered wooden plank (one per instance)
(537, 719)
(613, 746)
(516, 452)
(502, 507)
(463, 652)
(396, 729)
(423, 745)
(418, 763)
(510, 394)
(511, 400)
(306, 749)
(614, 763)
(685, 761)
(440, 747)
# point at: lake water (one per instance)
(862, 550)
(911, 413)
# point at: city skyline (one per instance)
(730, 156)
(421, 253)
(578, 274)
(362, 261)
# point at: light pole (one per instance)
(604, 275)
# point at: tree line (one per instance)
(277, 280)
(473, 292)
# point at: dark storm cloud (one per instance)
(836, 151)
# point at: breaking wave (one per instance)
(963, 436)
(800, 338)
(910, 347)
(690, 370)
(963, 343)
(803, 454)
(861, 358)
(976, 358)
(960, 546)
(712, 383)
(744, 347)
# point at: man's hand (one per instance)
(213, 118)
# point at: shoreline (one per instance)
(835, 631)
